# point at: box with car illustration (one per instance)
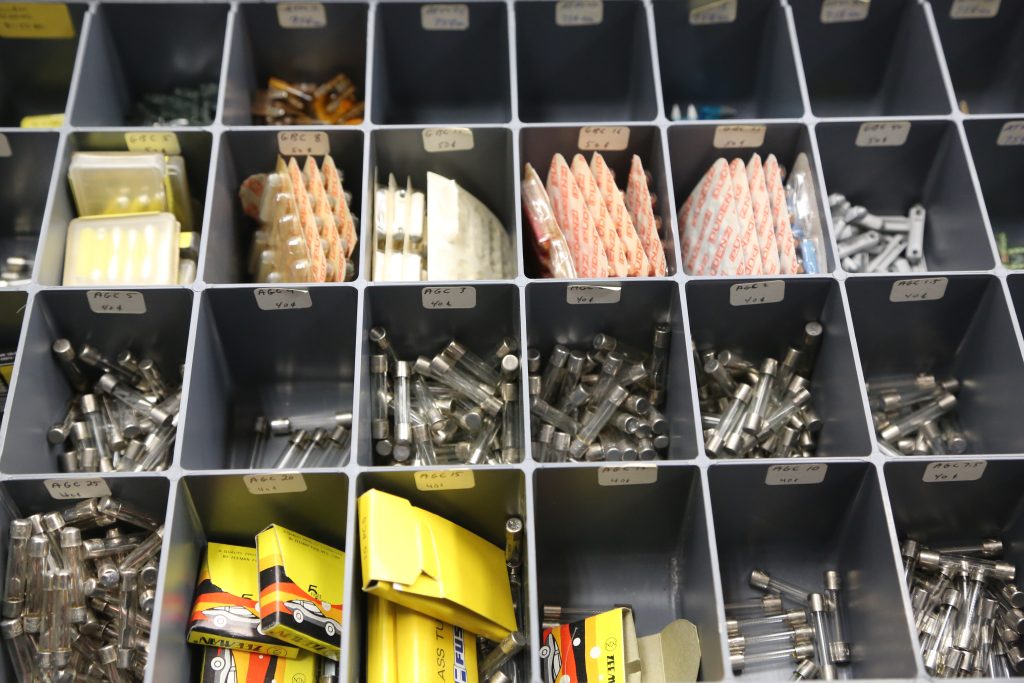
(221, 665)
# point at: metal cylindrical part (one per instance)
(833, 599)
(822, 642)
(506, 650)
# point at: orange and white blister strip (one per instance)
(317, 259)
(638, 202)
(636, 258)
(613, 249)
(346, 226)
(721, 246)
(574, 218)
(325, 219)
(789, 265)
(691, 222)
(763, 221)
(745, 216)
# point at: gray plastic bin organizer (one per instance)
(677, 547)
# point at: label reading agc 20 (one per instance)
(285, 482)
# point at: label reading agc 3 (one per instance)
(449, 297)
(974, 9)
(579, 12)
(5, 146)
(844, 11)
(264, 484)
(164, 143)
(784, 475)
(447, 139)
(954, 470)
(74, 489)
(454, 17)
(918, 289)
(1011, 134)
(754, 293)
(279, 299)
(116, 301)
(736, 137)
(708, 12)
(444, 480)
(303, 143)
(627, 475)
(301, 15)
(35, 20)
(592, 294)
(883, 133)
(603, 138)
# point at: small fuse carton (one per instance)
(221, 665)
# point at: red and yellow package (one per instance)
(613, 249)
(780, 214)
(317, 259)
(575, 220)
(600, 648)
(691, 222)
(342, 214)
(745, 216)
(233, 666)
(641, 210)
(639, 266)
(763, 216)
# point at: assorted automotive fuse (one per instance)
(916, 415)
(80, 592)
(332, 103)
(306, 232)
(584, 226)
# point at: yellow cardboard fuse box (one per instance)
(403, 646)
(221, 665)
(428, 564)
(301, 590)
(224, 611)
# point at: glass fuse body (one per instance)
(481, 446)
(837, 621)
(762, 397)
(403, 403)
(336, 452)
(731, 419)
(17, 568)
(20, 649)
(126, 513)
(62, 630)
(791, 618)
(472, 363)
(38, 549)
(71, 543)
(447, 374)
(789, 406)
(143, 552)
(554, 372)
(659, 362)
(425, 403)
(741, 661)
(511, 425)
(935, 645)
(425, 455)
(158, 445)
(769, 605)
(132, 398)
(380, 425)
(606, 380)
(595, 421)
(914, 420)
(552, 416)
(762, 581)
(800, 634)
(90, 410)
(822, 642)
(126, 625)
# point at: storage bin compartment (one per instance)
(643, 545)
(693, 150)
(136, 49)
(455, 71)
(415, 330)
(798, 531)
(245, 153)
(984, 55)
(35, 73)
(160, 333)
(765, 330)
(261, 48)
(27, 171)
(899, 75)
(746, 64)
(250, 362)
(552, 319)
(494, 495)
(195, 149)
(584, 71)
(967, 335)
(998, 168)
(929, 169)
(221, 509)
(12, 314)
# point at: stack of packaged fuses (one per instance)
(584, 226)
(443, 603)
(307, 232)
(135, 223)
(740, 220)
(272, 612)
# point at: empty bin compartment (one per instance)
(998, 156)
(28, 169)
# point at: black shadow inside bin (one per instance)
(245, 153)
(485, 171)
(424, 76)
(139, 49)
(195, 148)
(221, 509)
(418, 331)
(999, 169)
(717, 325)
(262, 48)
(746, 64)
(27, 172)
(494, 496)
(12, 314)
(884, 65)
(249, 362)
(930, 169)
(160, 333)
(967, 335)
(35, 73)
(692, 152)
(551, 319)
(985, 56)
(797, 532)
(598, 72)
(655, 558)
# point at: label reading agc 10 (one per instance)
(785, 475)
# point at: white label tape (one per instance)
(844, 11)
(579, 12)
(754, 293)
(447, 17)
(592, 294)
(954, 470)
(164, 143)
(74, 489)
(303, 142)
(5, 146)
(883, 134)
(627, 475)
(445, 480)
(603, 138)
(436, 298)
(784, 475)
(736, 137)
(709, 12)
(116, 302)
(974, 9)
(918, 289)
(301, 15)
(278, 299)
(447, 139)
(285, 482)
(1011, 134)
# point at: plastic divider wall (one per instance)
(526, 83)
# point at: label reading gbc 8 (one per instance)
(603, 138)
(784, 475)
(588, 294)
(448, 297)
(709, 12)
(754, 293)
(844, 11)
(116, 301)
(444, 480)
(627, 475)
(285, 482)
(956, 470)
(74, 489)
(164, 143)
(448, 17)
(918, 289)
(303, 143)
(736, 137)
(974, 9)
(279, 299)
(883, 134)
(579, 12)
(1011, 134)
(447, 139)
(301, 15)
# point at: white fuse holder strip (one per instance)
(603, 138)
(739, 137)
(786, 475)
(164, 143)
(579, 12)
(592, 294)
(954, 470)
(444, 17)
(445, 480)
(627, 475)
(918, 289)
(844, 11)
(447, 139)
(437, 298)
(883, 134)
(5, 146)
(754, 293)
(1011, 134)
(116, 302)
(76, 489)
(280, 299)
(303, 143)
(974, 9)
(266, 484)
(301, 15)
(710, 12)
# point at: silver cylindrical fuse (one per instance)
(511, 425)
(426, 404)
(730, 420)
(558, 450)
(20, 649)
(554, 373)
(127, 513)
(934, 646)
(763, 581)
(822, 642)
(472, 363)
(741, 661)
(380, 426)
(791, 636)
(314, 446)
(66, 359)
(805, 671)
(552, 416)
(17, 567)
(480, 449)
(506, 650)
(154, 380)
(768, 605)
(336, 453)
(425, 456)
(71, 544)
(126, 625)
(109, 384)
(290, 455)
(790, 405)
(379, 336)
(143, 552)
(762, 395)
(833, 600)
(403, 403)
(595, 422)
(662, 338)
(966, 637)
(913, 421)
(449, 375)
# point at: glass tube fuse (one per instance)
(473, 364)
(447, 374)
(763, 581)
(425, 455)
(17, 568)
(109, 384)
(822, 641)
(403, 403)
(511, 425)
(71, 543)
(595, 422)
(833, 600)
(380, 427)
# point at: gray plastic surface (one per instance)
(674, 548)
